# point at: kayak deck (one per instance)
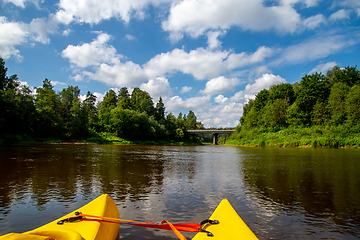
(230, 225)
(82, 230)
(224, 224)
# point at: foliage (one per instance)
(120, 118)
(321, 110)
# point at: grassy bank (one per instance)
(316, 136)
(102, 138)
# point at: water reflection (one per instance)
(319, 183)
(58, 173)
(279, 193)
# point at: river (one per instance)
(281, 193)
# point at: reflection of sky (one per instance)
(179, 184)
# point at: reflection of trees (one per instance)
(325, 184)
(60, 172)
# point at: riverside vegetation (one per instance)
(320, 111)
(57, 116)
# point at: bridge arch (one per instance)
(214, 132)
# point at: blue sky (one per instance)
(208, 56)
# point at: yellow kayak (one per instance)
(82, 230)
(225, 224)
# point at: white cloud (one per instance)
(196, 17)
(186, 89)
(251, 90)
(220, 85)
(213, 41)
(12, 34)
(118, 74)
(91, 54)
(313, 49)
(94, 11)
(322, 68)
(159, 87)
(130, 37)
(66, 32)
(314, 21)
(220, 99)
(308, 3)
(202, 63)
(21, 3)
(100, 61)
(226, 114)
(339, 15)
(176, 103)
(54, 83)
(99, 96)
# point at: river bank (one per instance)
(314, 137)
(104, 138)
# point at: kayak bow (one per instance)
(82, 230)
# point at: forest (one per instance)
(120, 117)
(320, 111)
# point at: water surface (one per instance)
(281, 193)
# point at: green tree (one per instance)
(261, 100)
(330, 74)
(284, 91)
(171, 126)
(352, 106)
(27, 116)
(90, 110)
(124, 98)
(160, 110)
(320, 114)
(47, 103)
(108, 103)
(349, 75)
(246, 109)
(336, 106)
(295, 116)
(141, 101)
(313, 88)
(278, 113)
(190, 122)
(70, 111)
(8, 91)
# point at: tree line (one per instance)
(320, 105)
(62, 115)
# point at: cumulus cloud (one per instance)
(94, 11)
(94, 53)
(186, 89)
(176, 103)
(220, 99)
(196, 17)
(18, 33)
(251, 90)
(159, 87)
(226, 114)
(323, 68)
(117, 74)
(106, 64)
(220, 85)
(203, 63)
(12, 34)
(213, 41)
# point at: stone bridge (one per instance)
(214, 132)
